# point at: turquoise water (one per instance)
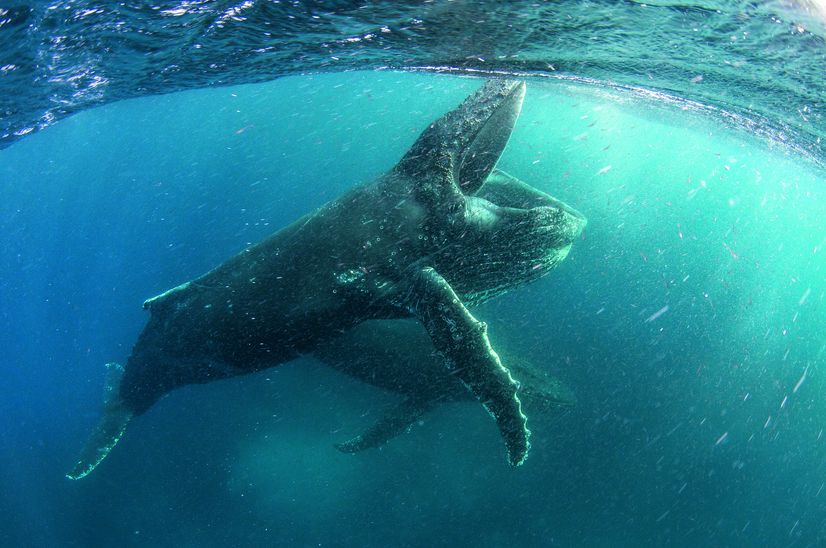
(688, 320)
(690, 426)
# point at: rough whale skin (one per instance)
(397, 356)
(440, 231)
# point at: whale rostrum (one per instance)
(440, 231)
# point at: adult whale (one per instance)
(437, 232)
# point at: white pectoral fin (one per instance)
(463, 343)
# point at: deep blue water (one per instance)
(700, 425)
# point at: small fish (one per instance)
(803, 378)
(657, 314)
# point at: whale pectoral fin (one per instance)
(463, 343)
(115, 419)
(469, 139)
(396, 421)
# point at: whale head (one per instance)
(512, 234)
(489, 232)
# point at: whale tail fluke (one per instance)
(115, 419)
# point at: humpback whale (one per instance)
(441, 231)
(397, 356)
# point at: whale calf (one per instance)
(441, 231)
(397, 356)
